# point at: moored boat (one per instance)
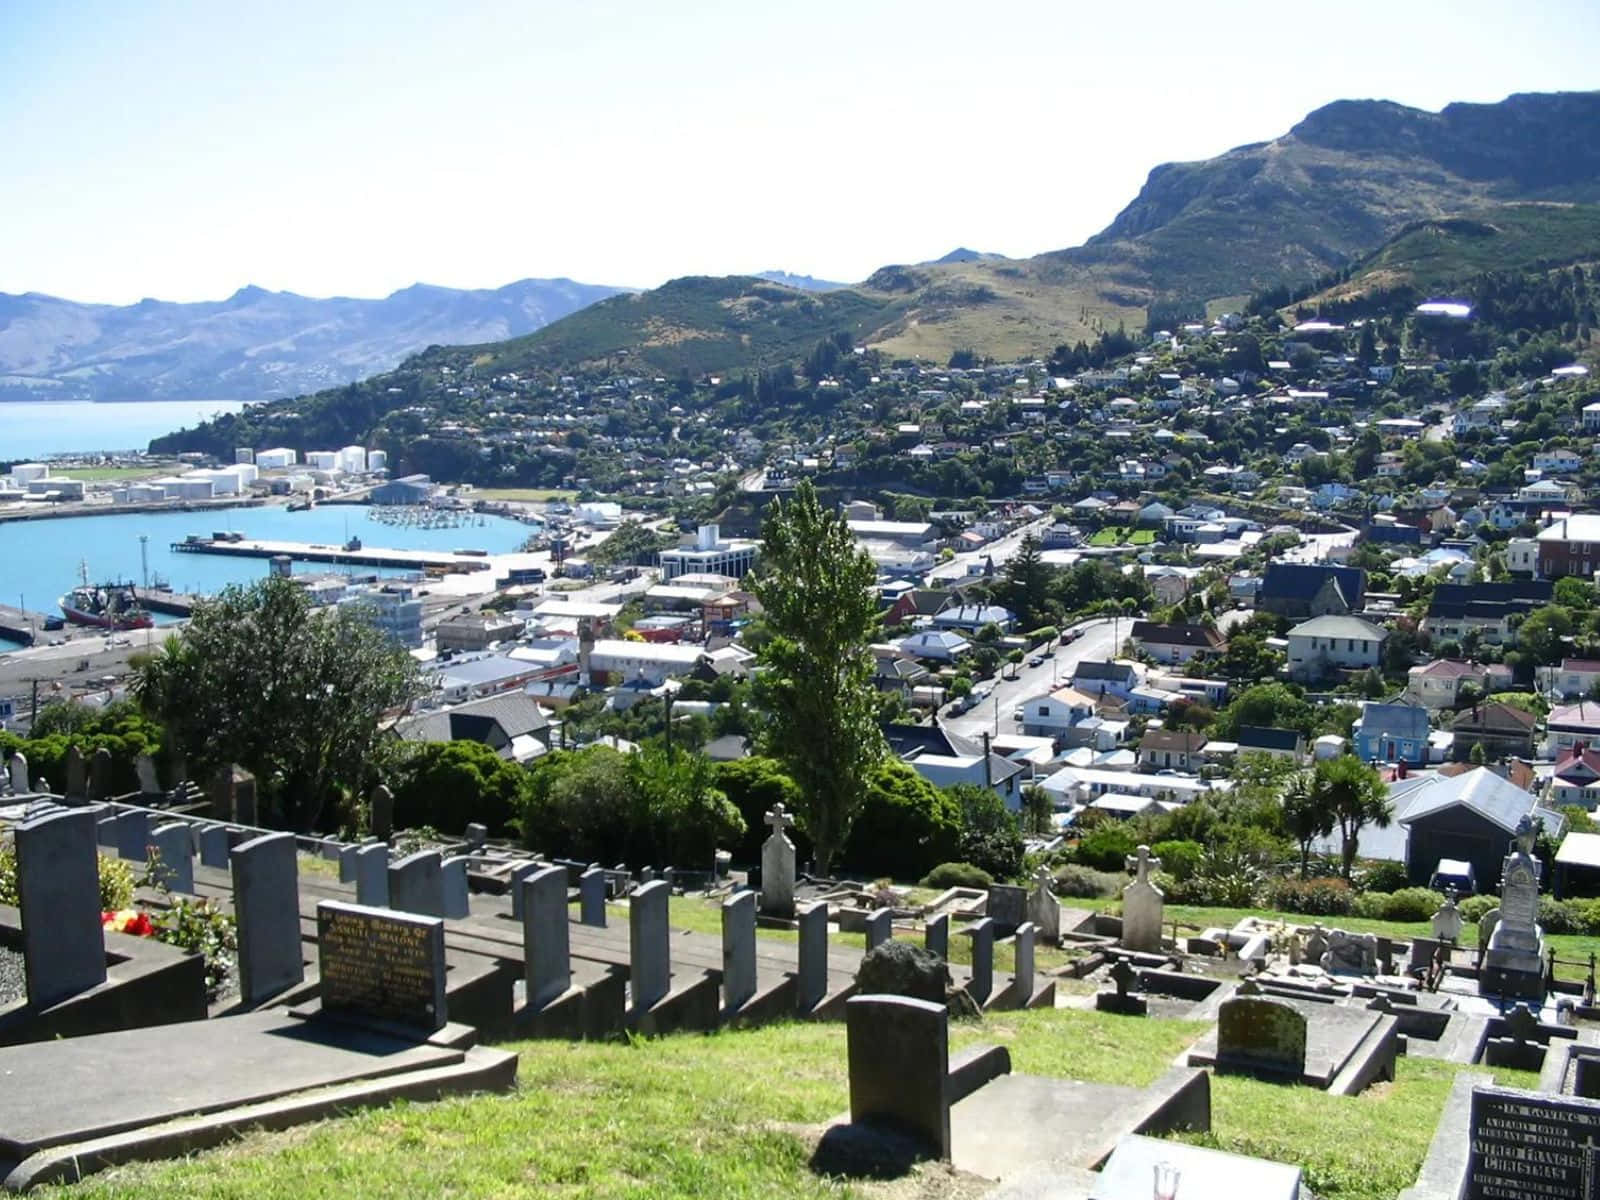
(106, 606)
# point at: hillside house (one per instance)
(1177, 643)
(1570, 724)
(1100, 678)
(1575, 779)
(1438, 684)
(1322, 645)
(1269, 740)
(1301, 590)
(1172, 749)
(1503, 731)
(1392, 733)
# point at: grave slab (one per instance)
(1204, 1174)
(1338, 1041)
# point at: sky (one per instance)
(352, 147)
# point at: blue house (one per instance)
(1392, 733)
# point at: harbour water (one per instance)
(39, 428)
(39, 560)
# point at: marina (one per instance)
(351, 554)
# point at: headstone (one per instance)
(375, 964)
(738, 950)
(1350, 953)
(982, 934)
(1260, 1036)
(102, 775)
(174, 856)
(380, 803)
(1142, 905)
(105, 831)
(266, 906)
(1422, 952)
(880, 928)
(667, 877)
(1447, 921)
(347, 863)
(475, 835)
(1513, 964)
(372, 875)
(777, 866)
(1007, 908)
(133, 834)
(1126, 999)
(1316, 944)
(813, 951)
(1532, 1144)
(457, 897)
(145, 768)
(649, 952)
(214, 846)
(899, 1052)
(58, 892)
(1044, 910)
(545, 936)
(18, 770)
(416, 884)
(520, 870)
(244, 797)
(77, 786)
(936, 935)
(1022, 948)
(647, 875)
(592, 897)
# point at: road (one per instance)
(60, 668)
(1001, 550)
(993, 715)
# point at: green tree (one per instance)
(294, 694)
(1037, 810)
(450, 784)
(906, 826)
(1306, 816)
(990, 837)
(678, 805)
(1025, 587)
(1270, 704)
(1541, 633)
(1355, 794)
(815, 689)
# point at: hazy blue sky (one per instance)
(181, 150)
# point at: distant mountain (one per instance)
(255, 344)
(962, 255)
(806, 283)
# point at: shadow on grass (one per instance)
(859, 1151)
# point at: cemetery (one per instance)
(1019, 1045)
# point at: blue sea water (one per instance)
(39, 560)
(40, 428)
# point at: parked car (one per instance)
(1036, 661)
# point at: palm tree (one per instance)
(1356, 795)
(1306, 814)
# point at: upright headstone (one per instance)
(899, 1052)
(649, 951)
(174, 856)
(416, 884)
(545, 937)
(1447, 921)
(380, 804)
(475, 835)
(1142, 905)
(1022, 947)
(1532, 1144)
(880, 928)
(1007, 908)
(1350, 953)
(1126, 1000)
(457, 896)
(592, 897)
(102, 775)
(738, 950)
(149, 782)
(813, 950)
(133, 834)
(77, 786)
(1260, 1036)
(58, 892)
(936, 935)
(1514, 963)
(982, 935)
(1044, 910)
(105, 829)
(214, 846)
(18, 770)
(372, 875)
(520, 870)
(378, 965)
(266, 906)
(777, 866)
(244, 797)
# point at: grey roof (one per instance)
(1396, 720)
(1302, 581)
(513, 713)
(1263, 737)
(1339, 627)
(1482, 791)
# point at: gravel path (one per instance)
(12, 984)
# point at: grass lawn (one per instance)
(112, 474)
(531, 495)
(733, 1115)
(1142, 537)
(1111, 535)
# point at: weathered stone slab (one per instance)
(266, 904)
(133, 834)
(592, 897)
(416, 884)
(545, 936)
(457, 897)
(1007, 908)
(649, 952)
(936, 935)
(372, 875)
(1256, 1035)
(58, 885)
(738, 950)
(174, 851)
(1201, 1172)
(880, 928)
(812, 982)
(899, 1052)
(376, 964)
(981, 985)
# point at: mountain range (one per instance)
(255, 344)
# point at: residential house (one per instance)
(510, 724)
(1570, 724)
(1503, 731)
(1177, 643)
(1270, 740)
(1100, 678)
(1575, 779)
(896, 671)
(1174, 749)
(1301, 590)
(1169, 585)
(1573, 678)
(1569, 546)
(1392, 733)
(1436, 685)
(1322, 645)
(941, 645)
(1470, 817)
(970, 618)
(1490, 610)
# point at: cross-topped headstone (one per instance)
(1143, 863)
(778, 866)
(1124, 976)
(1142, 904)
(778, 820)
(1044, 910)
(1522, 1024)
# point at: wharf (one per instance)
(19, 625)
(416, 560)
(173, 604)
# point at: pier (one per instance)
(19, 625)
(172, 604)
(415, 560)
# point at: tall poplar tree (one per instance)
(815, 688)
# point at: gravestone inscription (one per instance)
(1532, 1146)
(378, 964)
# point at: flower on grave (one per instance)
(130, 921)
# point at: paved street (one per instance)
(993, 715)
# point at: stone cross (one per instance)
(1522, 1024)
(1143, 862)
(778, 866)
(1124, 976)
(1142, 905)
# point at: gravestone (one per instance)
(375, 964)
(214, 846)
(105, 830)
(1422, 952)
(519, 871)
(649, 952)
(777, 866)
(1514, 962)
(1142, 905)
(982, 983)
(899, 1051)
(1447, 921)
(812, 981)
(380, 802)
(1532, 1144)
(738, 950)
(457, 897)
(545, 936)
(17, 769)
(1007, 908)
(1044, 910)
(266, 906)
(1260, 1036)
(174, 862)
(372, 875)
(592, 897)
(1022, 972)
(416, 884)
(145, 768)
(77, 773)
(133, 834)
(58, 893)
(475, 835)
(233, 795)
(1126, 999)
(102, 775)
(880, 928)
(1316, 944)
(1350, 953)
(1521, 1051)
(936, 935)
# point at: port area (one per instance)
(358, 556)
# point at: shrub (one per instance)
(1586, 916)
(1074, 879)
(957, 874)
(1106, 848)
(1179, 859)
(1385, 877)
(1315, 897)
(906, 826)
(1473, 907)
(1408, 904)
(1558, 916)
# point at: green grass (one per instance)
(1142, 537)
(1111, 535)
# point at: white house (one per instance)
(1324, 644)
(941, 644)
